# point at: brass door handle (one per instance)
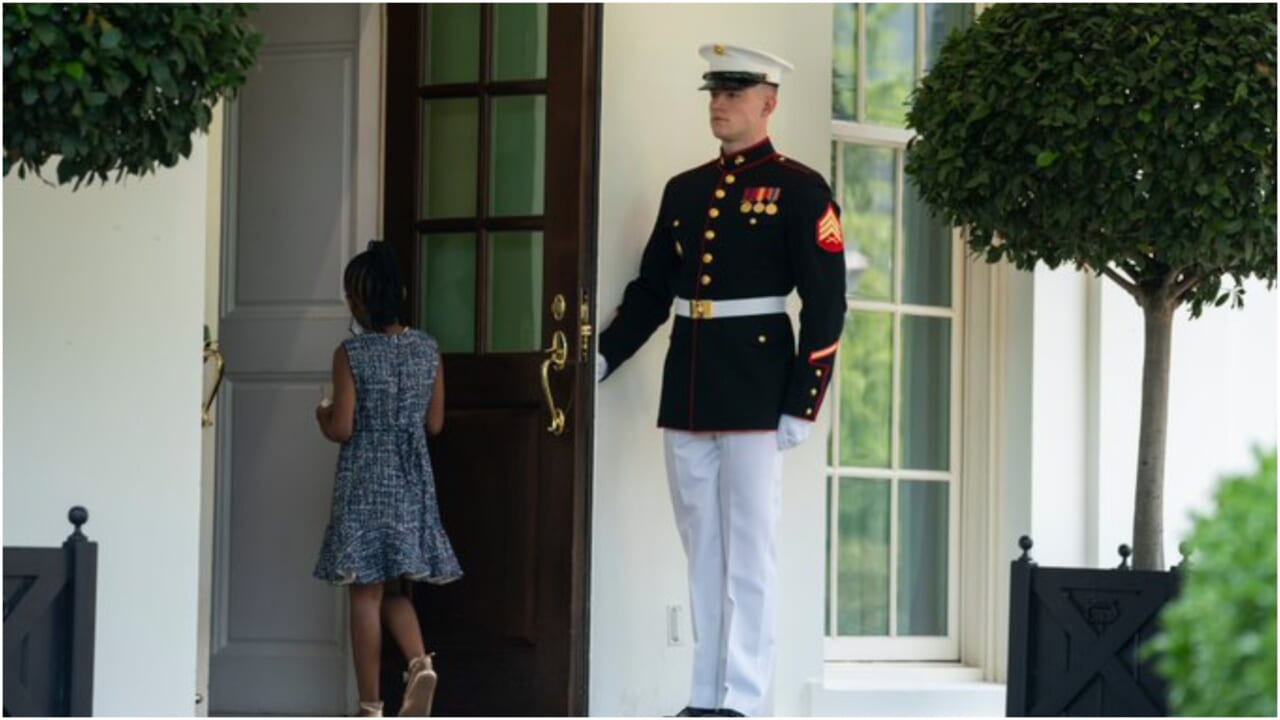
(557, 356)
(211, 352)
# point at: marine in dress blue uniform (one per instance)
(733, 237)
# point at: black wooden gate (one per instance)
(1076, 637)
(49, 599)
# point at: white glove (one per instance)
(602, 367)
(792, 431)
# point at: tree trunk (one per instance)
(1148, 505)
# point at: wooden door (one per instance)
(490, 177)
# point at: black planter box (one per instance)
(50, 600)
(1076, 637)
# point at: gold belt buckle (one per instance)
(700, 309)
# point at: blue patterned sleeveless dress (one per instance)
(385, 523)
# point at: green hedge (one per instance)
(116, 88)
(1219, 644)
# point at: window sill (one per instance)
(904, 690)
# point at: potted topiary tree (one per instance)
(116, 88)
(1136, 142)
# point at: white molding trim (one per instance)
(868, 134)
(1093, 424)
(984, 582)
(903, 690)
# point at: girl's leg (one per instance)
(366, 638)
(401, 620)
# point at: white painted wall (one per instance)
(1073, 400)
(1014, 424)
(1222, 400)
(654, 125)
(1058, 415)
(103, 295)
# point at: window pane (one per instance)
(891, 62)
(926, 253)
(448, 273)
(518, 158)
(940, 20)
(451, 51)
(515, 291)
(870, 179)
(449, 130)
(519, 41)
(926, 393)
(922, 557)
(866, 386)
(863, 561)
(844, 68)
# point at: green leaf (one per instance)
(160, 73)
(110, 39)
(979, 111)
(30, 94)
(1046, 158)
(115, 84)
(45, 33)
(74, 69)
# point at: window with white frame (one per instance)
(893, 459)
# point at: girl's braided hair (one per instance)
(373, 277)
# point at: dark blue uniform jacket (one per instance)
(747, 225)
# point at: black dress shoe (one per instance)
(728, 712)
(692, 711)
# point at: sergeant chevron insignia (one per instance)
(830, 234)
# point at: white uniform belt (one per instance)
(708, 309)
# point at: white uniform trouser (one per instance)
(726, 489)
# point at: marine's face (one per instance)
(738, 115)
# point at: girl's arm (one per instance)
(338, 420)
(435, 412)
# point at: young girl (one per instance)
(388, 392)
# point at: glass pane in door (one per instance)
(449, 156)
(867, 205)
(862, 589)
(940, 19)
(447, 272)
(926, 393)
(844, 65)
(926, 253)
(451, 43)
(923, 526)
(519, 41)
(515, 292)
(518, 155)
(866, 389)
(891, 61)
